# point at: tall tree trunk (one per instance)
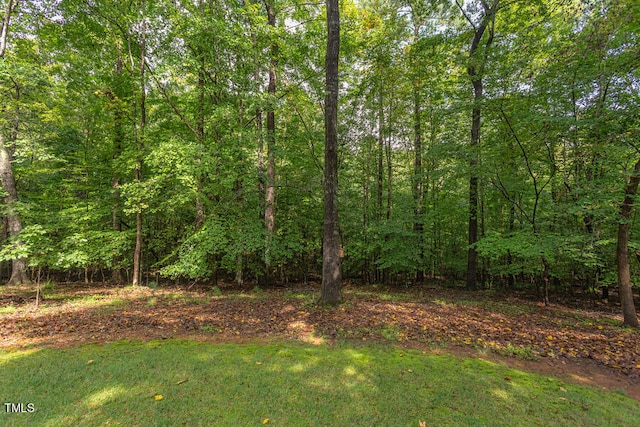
(331, 262)
(622, 251)
(366, 274)
(379, 276)
(200, 214)
(137, 253)
(511, 279)
(260, 151)
(4, 34)
(418, 192)
(475, 70)
(260, 139)
(14, 225)
(239, 279)
(388, 153)
(472, 255)
(386, 272)
(118, 142)
(270, 196)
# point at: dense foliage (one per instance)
(150, 115)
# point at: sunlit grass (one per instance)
(204, 384)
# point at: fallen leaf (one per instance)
(265, 421)
(182, 381)
(89, 362)
(158, 397)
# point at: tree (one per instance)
(622, 250)
(270, 191)
(14, 225)
(331, 262)
(475, 68)
(139, 137)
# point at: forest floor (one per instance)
(579, 340)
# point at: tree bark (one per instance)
(14, 225)
(472, 255)
(137, 253)
(475, 70)
(418, 192)
(118, 143)
(331, 262)
(622, 251)
(4, 34)
(379, 276)
(270, 193)
(200, 213)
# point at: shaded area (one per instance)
(186, 383)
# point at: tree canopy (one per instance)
(185, 139)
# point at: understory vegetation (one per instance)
(184, 140)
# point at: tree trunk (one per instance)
(331, 263)
(622, 251)
(118, 143)
(366, 274)
(19, 265)
(239, 279)
(475, 70)
(137, 253)
(4, 34)
(418, 193)
(7, 178)
(511, 279)
(379, 276)
(472, 255)
(200, 213)
(270, 196)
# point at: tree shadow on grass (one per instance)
(179, 382)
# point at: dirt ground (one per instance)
(578, 341)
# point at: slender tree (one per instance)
(18, 265)
(270, 195)
(418, 184)
(475, 70)
(118, 143)
(622, 252)
(140, 134)
(331, 262)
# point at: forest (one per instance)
(490, 142)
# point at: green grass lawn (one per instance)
(205, 384)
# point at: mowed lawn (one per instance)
(181, 382)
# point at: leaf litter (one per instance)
(557, 338)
